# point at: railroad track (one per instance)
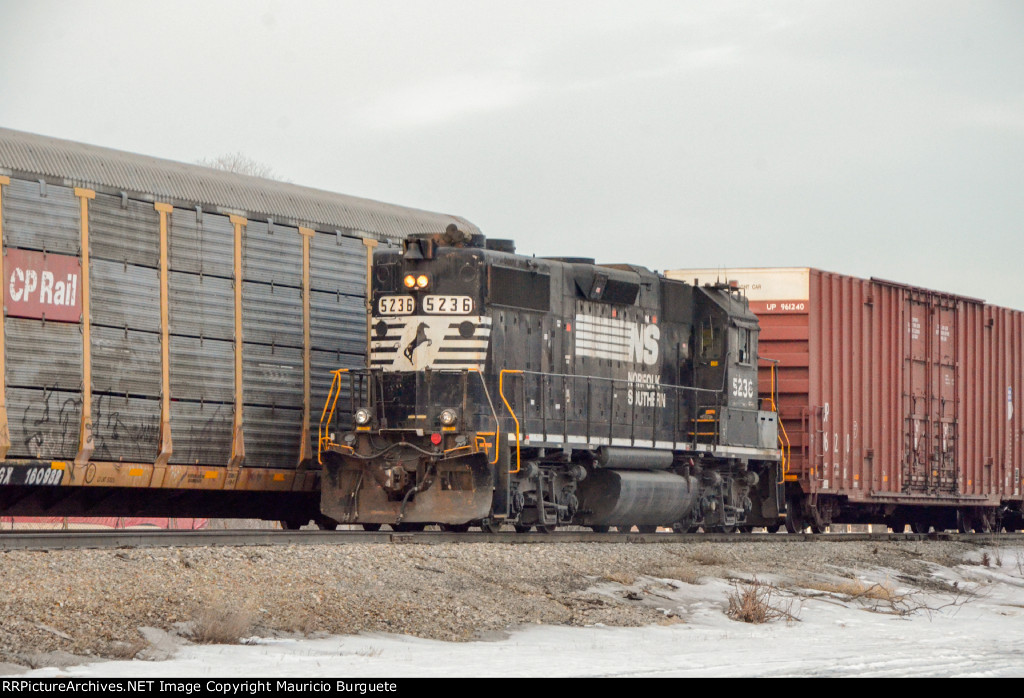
(68, 540)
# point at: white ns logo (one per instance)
(643, 343)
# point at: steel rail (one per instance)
(69, 540)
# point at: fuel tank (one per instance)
(622, 497)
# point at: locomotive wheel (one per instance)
(409, 527)
(794, 521)
(600, 529)
(746, 529)
(897, 525)
(546, 528)
(490, 526)
(292, 524)
(371, 527)
(455, 528)
(327, 524)
(774, 528)
(920, 527)
(623, 529)
(523, 528)
(648, 529)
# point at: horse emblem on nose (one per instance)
(420, 338)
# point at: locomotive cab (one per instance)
(726, 362)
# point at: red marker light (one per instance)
(435, 439)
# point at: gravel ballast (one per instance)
(67, 606)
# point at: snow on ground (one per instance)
(965, 621)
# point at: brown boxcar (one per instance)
(897, 401)
(169, 331)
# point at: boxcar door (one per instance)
(929, 395)
(916, 393)
(944, 395)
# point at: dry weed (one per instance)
(687, 575)
(856, 589)
(624, 578)
(753, 602)
(708, 557)
(221, 623)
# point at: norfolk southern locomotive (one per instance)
(547, 392)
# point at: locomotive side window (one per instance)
(743, 345)
(708, 340)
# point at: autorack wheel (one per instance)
(490, 526)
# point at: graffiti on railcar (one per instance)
(54, 432)
(120, 435)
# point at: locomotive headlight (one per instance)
(409, 281)
(422, 281)
(447, 417)
(362, 416)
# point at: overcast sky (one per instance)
(869, 138)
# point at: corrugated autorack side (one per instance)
(169, 330)
(898, 401)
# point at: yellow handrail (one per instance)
(323, 433)
(783, 437)
(501, 391)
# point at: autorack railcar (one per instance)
(169, 331)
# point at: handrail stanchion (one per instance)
(501, 391)
(323, 433)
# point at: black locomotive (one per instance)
(503, 388)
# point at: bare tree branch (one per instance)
(240, 164)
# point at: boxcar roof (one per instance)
(153, 179)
